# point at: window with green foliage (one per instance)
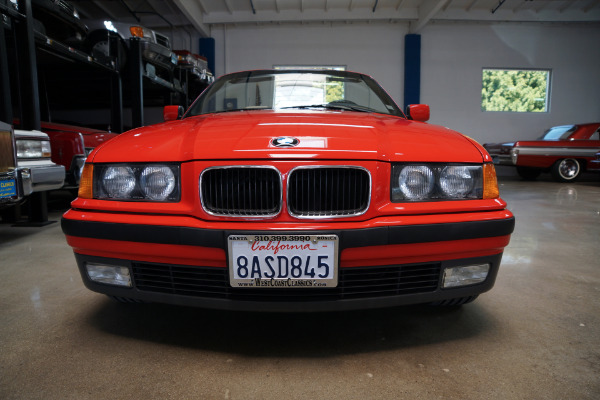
(515, 90)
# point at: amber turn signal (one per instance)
(86, 182)
(490, 182)
(136, 31)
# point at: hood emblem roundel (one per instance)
(285, 141)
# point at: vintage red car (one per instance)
(290, 191)
(565, 151)
(71, 145)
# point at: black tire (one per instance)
(566, 170)
(97, 46)
(529, 173)
(454, 302)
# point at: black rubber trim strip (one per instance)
(381, 236)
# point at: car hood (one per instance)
(322, 135)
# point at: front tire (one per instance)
(566, 170)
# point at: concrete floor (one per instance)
(536, 335)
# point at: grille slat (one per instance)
(314, 192)
(363, 282)
(328, 192)
(241, 191)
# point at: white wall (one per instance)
(453, 55)
(375, 49)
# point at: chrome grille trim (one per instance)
(242, 195)
(348, 195)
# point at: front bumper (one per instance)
(189, 264)
(45, 175)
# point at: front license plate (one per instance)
(283, 261)
(8, 188)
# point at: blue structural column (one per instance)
(207, 49)
(412, 69)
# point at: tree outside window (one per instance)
(515, 90)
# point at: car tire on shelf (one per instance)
(566, 170)
(97, 46)
(528, 173)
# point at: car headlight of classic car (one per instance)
(427, 182)
(131, 182)
(29, 148)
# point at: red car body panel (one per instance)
(247, 135)
(92, 138)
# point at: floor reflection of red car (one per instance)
(565, 151)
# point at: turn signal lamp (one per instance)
(490, 183)
(86, 182)
(139, 31)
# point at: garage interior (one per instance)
(534, 335)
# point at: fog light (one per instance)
(465, 275)
(109, 274)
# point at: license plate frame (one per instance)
(312, 261)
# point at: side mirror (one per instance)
(172, 113)
(418, 112)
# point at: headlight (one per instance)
(157, 182)
(416, 182)
(457, 181)
(133, 182)
(426, 182)
(28, 148)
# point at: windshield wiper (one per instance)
(334, 106)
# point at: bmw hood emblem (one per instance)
(285, 141)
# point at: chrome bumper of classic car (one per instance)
(502, 159)
(158, 54)
(365, 286)
(48, 176)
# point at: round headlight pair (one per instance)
(418, 182)
(156, 182)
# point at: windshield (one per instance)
(294, 89)
(558, 132)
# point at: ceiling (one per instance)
(200, 15)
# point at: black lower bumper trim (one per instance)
(380, 236)
(358, 288)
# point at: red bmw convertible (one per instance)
(301, 190)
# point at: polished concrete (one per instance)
(536, 335)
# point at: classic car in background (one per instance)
(34, 154)
(71, 145)
(197, 64)
(13, 180)
(156, 47)
(198, 76)
(565, 151)
(290, 191)
(59, 20)
(594, 165)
